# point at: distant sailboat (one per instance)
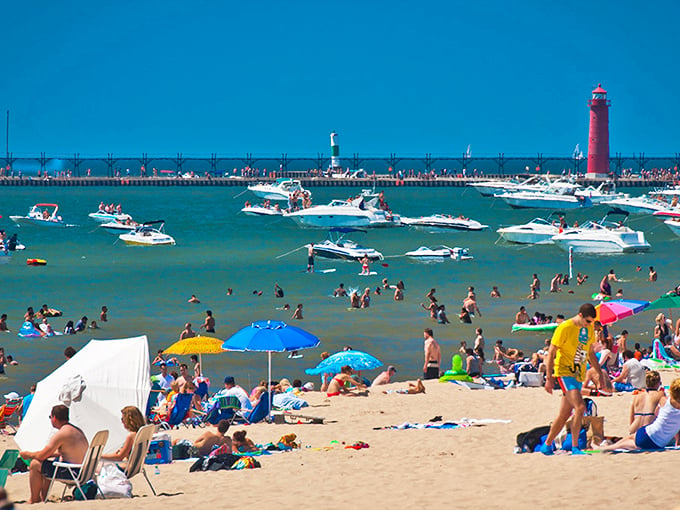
(468, 153)
(578, 153)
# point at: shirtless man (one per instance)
(69, 443)
(209, 323)
(535, 283)
(310, 258)
(184, 376)
(3, 322)
(433, 356)
(193, 299)
(207, 441)
(471, 306)
(297, 314)
(384, 377)
(340, 291)
(495, 293)
(522, 317)
(187, 332)
(652, 274)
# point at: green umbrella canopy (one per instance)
(665, 301)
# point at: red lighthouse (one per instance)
(598, 137)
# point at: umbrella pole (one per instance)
(269, 403)
(200, 363)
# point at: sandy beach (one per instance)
(472, 466)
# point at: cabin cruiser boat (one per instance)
(340, 213)
(553, 198)
(443, 221)
(440, 252)
(533, 183)
(261, 210)
(42, 214)
(337, 247)
(537, 231)
(597, 195)
(603, 236)
(279, 190)
(644, 204)
(104, 217)
(147, 235)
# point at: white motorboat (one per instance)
(444, 221)
(553, 198)
(644, 204)
(147, 235)
(673, 221)
(104, 217)
(279, 190)
(337, 247)
(537, 231)
(261, 210)
(440, 252)
(119, 227)
(42, 214)
(597, 195)
(603, 237)
(340, 213)
(534, 183)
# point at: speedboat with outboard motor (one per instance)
(337, 247)
(604, 236)
(119, 227)
(537, 231)
(261, 210)
(444, 221)
(440, 252)
(340, 213)
(279, 190)
(42, 214)
(105, 217)
(147, 235)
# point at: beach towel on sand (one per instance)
(463, 422)
(223, 461)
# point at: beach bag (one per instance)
(528, 441)
(113, 483)
(591, 407)
(89, 491)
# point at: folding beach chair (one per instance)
(9, 459)
(140, 447)
(3, 476)
(179, 415)
(81, 473)
(11, 408)
(225, 408)
(258, 413)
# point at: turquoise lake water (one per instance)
(146, 288)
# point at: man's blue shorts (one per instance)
(569, 383)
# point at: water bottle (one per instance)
(156, 470)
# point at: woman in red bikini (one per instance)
(337, 384)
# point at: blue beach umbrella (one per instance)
(358, 360)
(270, 336)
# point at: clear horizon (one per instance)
(201, 78)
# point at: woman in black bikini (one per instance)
(646, 404)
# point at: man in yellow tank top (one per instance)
(571, 347)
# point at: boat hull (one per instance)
(23, 220)
(599, 246)
(526, 237)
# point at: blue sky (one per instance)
(271, 77)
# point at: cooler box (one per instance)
(160, 451)
(531, 379)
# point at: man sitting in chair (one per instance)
(69, 443)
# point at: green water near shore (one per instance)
(146, 289)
